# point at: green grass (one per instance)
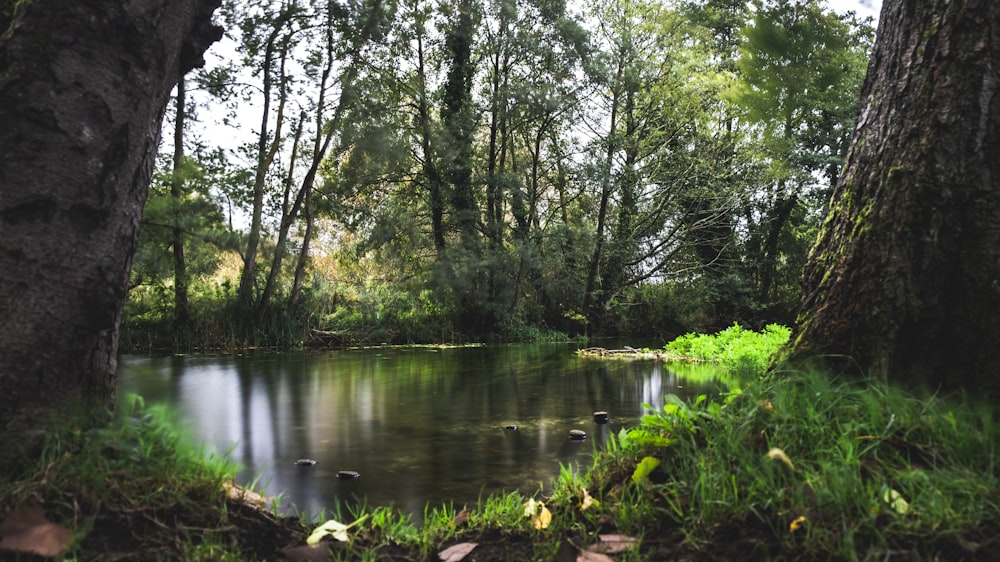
(135, 477)
(869, 468)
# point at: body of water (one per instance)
(420, 425)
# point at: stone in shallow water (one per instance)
(577, 435)
(601, 417)
(510, 427)
(305, 462)
(347, 474)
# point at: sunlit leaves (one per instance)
(645, 467)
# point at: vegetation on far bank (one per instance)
(793, 465)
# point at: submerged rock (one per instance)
(510, 427)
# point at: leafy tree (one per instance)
(799, 75)
(902, 282)
(656, 122)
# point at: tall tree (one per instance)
(799, 76)
(182, 312)
(903, 278)
(83, 89)
(274, 51)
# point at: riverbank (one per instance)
(793, 466)
(800, 467)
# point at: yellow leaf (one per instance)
(778, 454)
(896, 501)
(798, 523)
(587, 500)
(544, 518)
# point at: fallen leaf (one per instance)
(541, 516)
(543, 519)
(797, 523)
(588, 556)
(778, 454)
(529, 507)
(461, 518)
(896, 501)
(334, 529)
(587, 501)
(457, 552)
(613, 544)
(27, 530)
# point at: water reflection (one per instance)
(419, 424)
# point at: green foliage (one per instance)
(743, 352)
(828, 468)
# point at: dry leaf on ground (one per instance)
(613, 544)
(456, 552)
(27, 530)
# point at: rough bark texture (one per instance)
(904, 281)
(83, 87)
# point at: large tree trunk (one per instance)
(905, 277)
(83, 87)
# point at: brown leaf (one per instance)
(457, 552)
(587, 556)
(27, 530)
(461, 518)
(613, 544)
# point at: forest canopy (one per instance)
(403, 171)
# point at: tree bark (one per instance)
(904, 280)
(83, 88)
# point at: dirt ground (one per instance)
(140, 535)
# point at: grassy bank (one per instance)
(794, 466)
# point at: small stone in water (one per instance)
(305, 462)
(577, 435)
(510, 427)
(601, 417)
(347, 474)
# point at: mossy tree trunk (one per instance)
(83, 88)
(904, 280)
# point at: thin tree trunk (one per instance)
(903, 279)
(303, 260)
(267, 148)
(182, 313)
(435, 183)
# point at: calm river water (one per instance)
(420, 425)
